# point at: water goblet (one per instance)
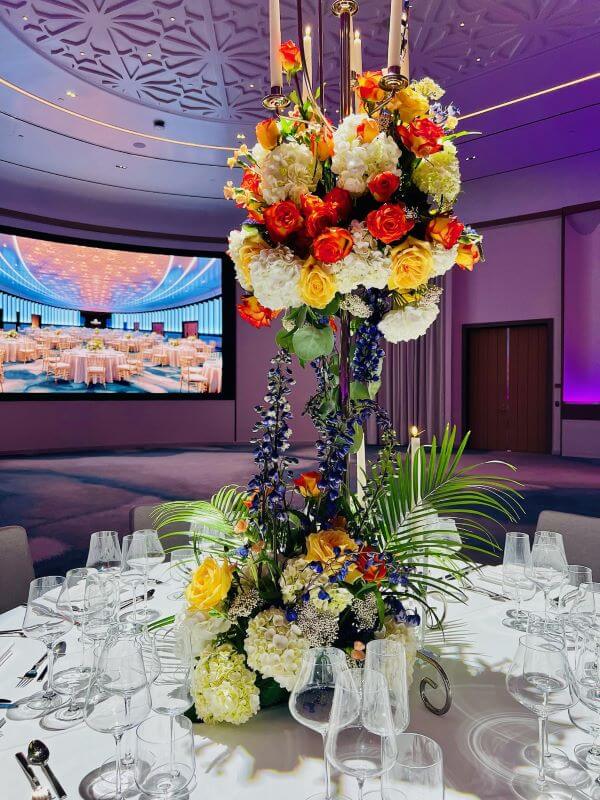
(183, 559)
(516, 560)
(548, 569)
(418, 771)
(105, 551)
(142, 551)
(586, 684)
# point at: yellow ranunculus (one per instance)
(412, 263)
(253, 244)
(409, 104)
(209, 585)
(320, 546)
(317, 285)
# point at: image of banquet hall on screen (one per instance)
(80, 319)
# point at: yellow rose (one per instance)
(253, 244)
(409, 104)
(320, 546)
(412, 264)
(317, 285)
(267, 133)
(209, 585)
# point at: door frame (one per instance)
(548, 323)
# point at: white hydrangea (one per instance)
(406, 635)
(366, 265)
(224, 688)
(355, 162)
(202, 628)
(237, 238)
(275, 273)
(298, 577)
(438, 176)
(410, 322)
(428, 88)
(275, 647)
(288, 171)
(443, 259)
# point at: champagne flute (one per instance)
(360, 740)
(105, 551)
(47, 620)
(312, 697)
(515, 562)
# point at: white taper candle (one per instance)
(357, 54)
(308, 73)
(395, 34)
(414, 452)
(275, 42)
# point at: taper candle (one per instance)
(275, 42)
(308, 72)
(414, 450)
(361, 469)
(357, 54)
(395, 34)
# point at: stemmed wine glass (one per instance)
(105, 551)
(360, 740)
(515, 582)
(586, 684)
(548, 568)
(312, 697)
(585, 613)
(118, 695)
(550, 538)
(538, 679)
(142, 551)
(182, 560)
(47, 620)
(571, 592)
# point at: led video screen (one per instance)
(88, 320)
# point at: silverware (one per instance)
(6, 655)
(137, 599)
(492, 595)
(28, 676)
(38, 754)
(12, 634)
(2, 722)
(42, 674)
(30, 774)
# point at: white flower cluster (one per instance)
(428, 88)
(366, 265)
(287, 172)
(443, 259)
(298, 578)
(275, 273)
(356, 306)
(407, 635)
(355, 162)
(202, 628)
(275, 647)
(237, 238)
(410, 322)
(224, 688)
(438, 176)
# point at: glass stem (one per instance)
(327, 772)
(546, 605)
(171, 744)
(49, 692)
(542, 745)
(118, 788)
(518, 609)
(361, 786)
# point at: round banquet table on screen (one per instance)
(175, 353)
(483, 736)
(77, 360)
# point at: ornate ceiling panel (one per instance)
(207, 59)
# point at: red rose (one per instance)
(371, 564)
(389, 222)
(291, 60)
(308, 483)
(422, 136)
(332, 245)
(310, 202)
(468, 255)
(251, 183)
(282, 219)
(383, 186)
(445, 231)
(253, 312)
(320, 219)
(341, 199)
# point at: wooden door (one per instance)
(507, 389)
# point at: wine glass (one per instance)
(142, 551)
(118, 695)
(71, 679)
(551, 538)
(165, 760)
(548, 568)
(538, 679)
(418, 772)
(360, 739)
(101, 598)
(586, 684)
(73, 591)
(516, 561)
(105, 552)
(182, 560)
(47, 620)
(312, 696)
(585, 613)
(570, 593)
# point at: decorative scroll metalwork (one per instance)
(428, 683)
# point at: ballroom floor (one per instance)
(61, 499)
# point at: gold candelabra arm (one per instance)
(276, 101)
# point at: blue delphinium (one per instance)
(366, 361)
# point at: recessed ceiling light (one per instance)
(172, 19)
(81, 53)
(70, 93)
(25, 18)
(462, 24)
(120, 166)
(149, 55)
(241, 136)
(478, 59)
(251, 85)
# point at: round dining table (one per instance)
(12, 345)
(483, 735)
(78, 358)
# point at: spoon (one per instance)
(38, 755)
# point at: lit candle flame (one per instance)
(414, 431)
(307, 30)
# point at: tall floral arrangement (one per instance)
(348, 229)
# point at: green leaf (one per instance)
(284, 339)
(332, 307)
(358, 437)
(373, 387)
(459, 134)
(359, 391)
(271, 693)
(310, 342)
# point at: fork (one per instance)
(26, 679)
(6, 655)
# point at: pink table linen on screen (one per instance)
(77, 360)
(214, 376)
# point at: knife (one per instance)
(137, 599)
(30, 774)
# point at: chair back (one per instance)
(141, 518)
(582, 537)
(16, 567)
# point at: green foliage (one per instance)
(310, 342)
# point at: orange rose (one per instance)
(389, 222)
(320, 219)
(321, 144)
(423, 137)
(332, 245)
(371, 564)
(251, 183)
(368, 130)
(341, 200)
(383, 186)
(308, 484)
(445, 231)
(267, 133)
(368, 87)
(411, 265)
(468, 255)
(329, 546)
(409, 104)
(282, 219)
(291, 61)
(258, 316)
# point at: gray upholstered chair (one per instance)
(140, 518)
(582, 537)
(16, 567)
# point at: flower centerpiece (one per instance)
(94, 345)
(348, 232)
(13, 334)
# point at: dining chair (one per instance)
(1, 376)
(95, 370)
(582, 536)
(61, 370)
(141, 518)
(136, 362)
(16, 567)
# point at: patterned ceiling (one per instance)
(100, 279)
(200, 58)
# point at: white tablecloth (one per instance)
(482, 736)
(77, 360)
(13, 345)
